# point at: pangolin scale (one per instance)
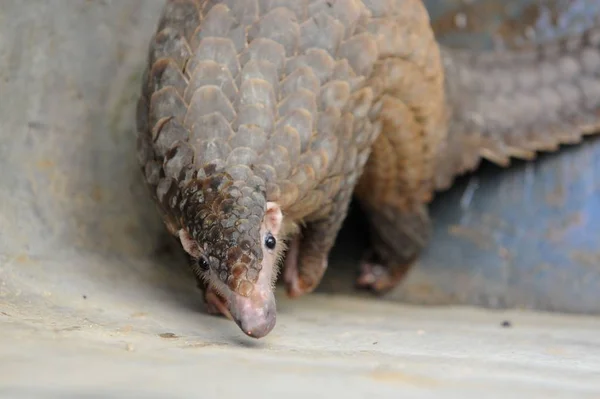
(259, 119)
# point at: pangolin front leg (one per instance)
(290, 266)
(307, 257)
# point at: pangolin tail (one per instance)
(514, 104)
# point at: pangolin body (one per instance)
(257, 119)
(253, 128)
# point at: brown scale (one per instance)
(216, 211)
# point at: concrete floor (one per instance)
(146, 336)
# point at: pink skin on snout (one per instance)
(256, 314)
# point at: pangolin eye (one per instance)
(203, 263)
(270, 241)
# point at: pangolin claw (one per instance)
(296, 287)
(378, 278)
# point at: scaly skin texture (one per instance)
(258, 118)
(253, 124)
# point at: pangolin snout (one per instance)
(255, 315)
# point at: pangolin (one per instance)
(259, 119)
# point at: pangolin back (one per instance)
(250, 101)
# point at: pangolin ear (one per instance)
(189, 244)
(273, 218)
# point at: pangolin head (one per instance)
(231, 233)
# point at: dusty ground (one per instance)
(146, 336)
